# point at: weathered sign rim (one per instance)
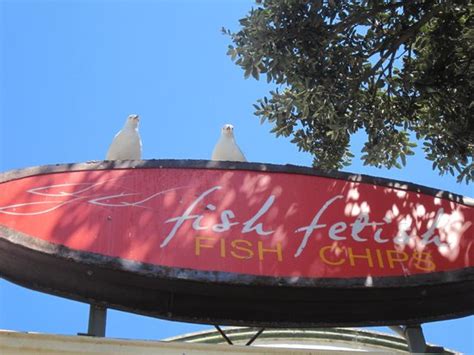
(227, 165)
(232, 278)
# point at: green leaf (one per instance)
(404, 160)
(255, 73)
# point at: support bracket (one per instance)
(97, 320)
(415, 339)
(250, 342)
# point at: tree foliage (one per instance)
(395, 69)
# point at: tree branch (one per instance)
(403, 36)
(353, 20)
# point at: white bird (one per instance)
(226, 147)
(127, 144)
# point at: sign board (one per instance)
(239, 243)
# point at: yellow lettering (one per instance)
(379, 258)
(395, 255)
(237, 244)
(198, 244)
(322, 255)
(278, 250)
(423, 261)
(222, 240)
(367, 255)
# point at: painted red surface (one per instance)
(248, 222)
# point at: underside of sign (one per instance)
(239, 243)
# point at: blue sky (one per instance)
(71, 71)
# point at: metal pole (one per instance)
(415, 339)
(97, 320)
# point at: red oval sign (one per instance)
(289, 225)
(258, 223)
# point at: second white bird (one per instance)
(226, 147)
